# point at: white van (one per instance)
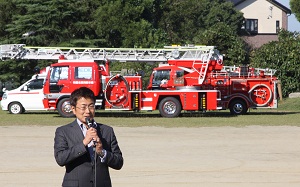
(28, 96)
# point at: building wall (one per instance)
(284, 21)
(266, 13)
(257, 41)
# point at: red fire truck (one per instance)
(189, 78)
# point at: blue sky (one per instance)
(294, 24)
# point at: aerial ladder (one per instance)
(198, 55)
(21, 51)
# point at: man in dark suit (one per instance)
(86, 148)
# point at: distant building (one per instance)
(263, 20)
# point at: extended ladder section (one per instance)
(21, 51)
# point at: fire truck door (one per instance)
(83, 76)
(59, 79)
(222, 85)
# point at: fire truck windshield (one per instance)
(58, 73)
(159, 76)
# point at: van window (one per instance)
(35, 84)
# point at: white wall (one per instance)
(260, 9)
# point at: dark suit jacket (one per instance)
(69, 151)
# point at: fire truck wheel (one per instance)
(64, 108)
(238, 107)
(169, 107)
(16, 108)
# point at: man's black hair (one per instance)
(81, 92)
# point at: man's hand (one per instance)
(99, 146)
(91, 135)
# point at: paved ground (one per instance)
(166, 157)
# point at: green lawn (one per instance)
(288, 113)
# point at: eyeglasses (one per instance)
(90, 107)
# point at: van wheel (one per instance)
(169, 107)
(16, 108)
(64, 108)
(238, 107)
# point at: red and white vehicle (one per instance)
(190, 78)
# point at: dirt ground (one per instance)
(166, 157)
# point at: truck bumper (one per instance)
(4, 105)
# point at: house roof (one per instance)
(284, 8)
(276, 3)
(236, 2)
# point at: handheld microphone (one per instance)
(89, 122)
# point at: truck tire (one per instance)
(15, 108)
(169, 107)
(64, 108)
(238, 107)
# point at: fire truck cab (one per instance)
(64, 77)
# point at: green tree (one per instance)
(7, 9)
(19, 71)
(205, 22)
(52, 22)
(16, 72)
(283, 56)
(227, 41)
(47, 23)
(221, 11)
(127, 24)
(183, 20)
(295, 7)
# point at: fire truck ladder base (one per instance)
(205, 58)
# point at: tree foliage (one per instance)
(6, 12)
(283, 56)
(205, 22)
(51, 22)
(295, 7)
(228, 42)
(128, 24)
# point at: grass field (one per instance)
(288, 113)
